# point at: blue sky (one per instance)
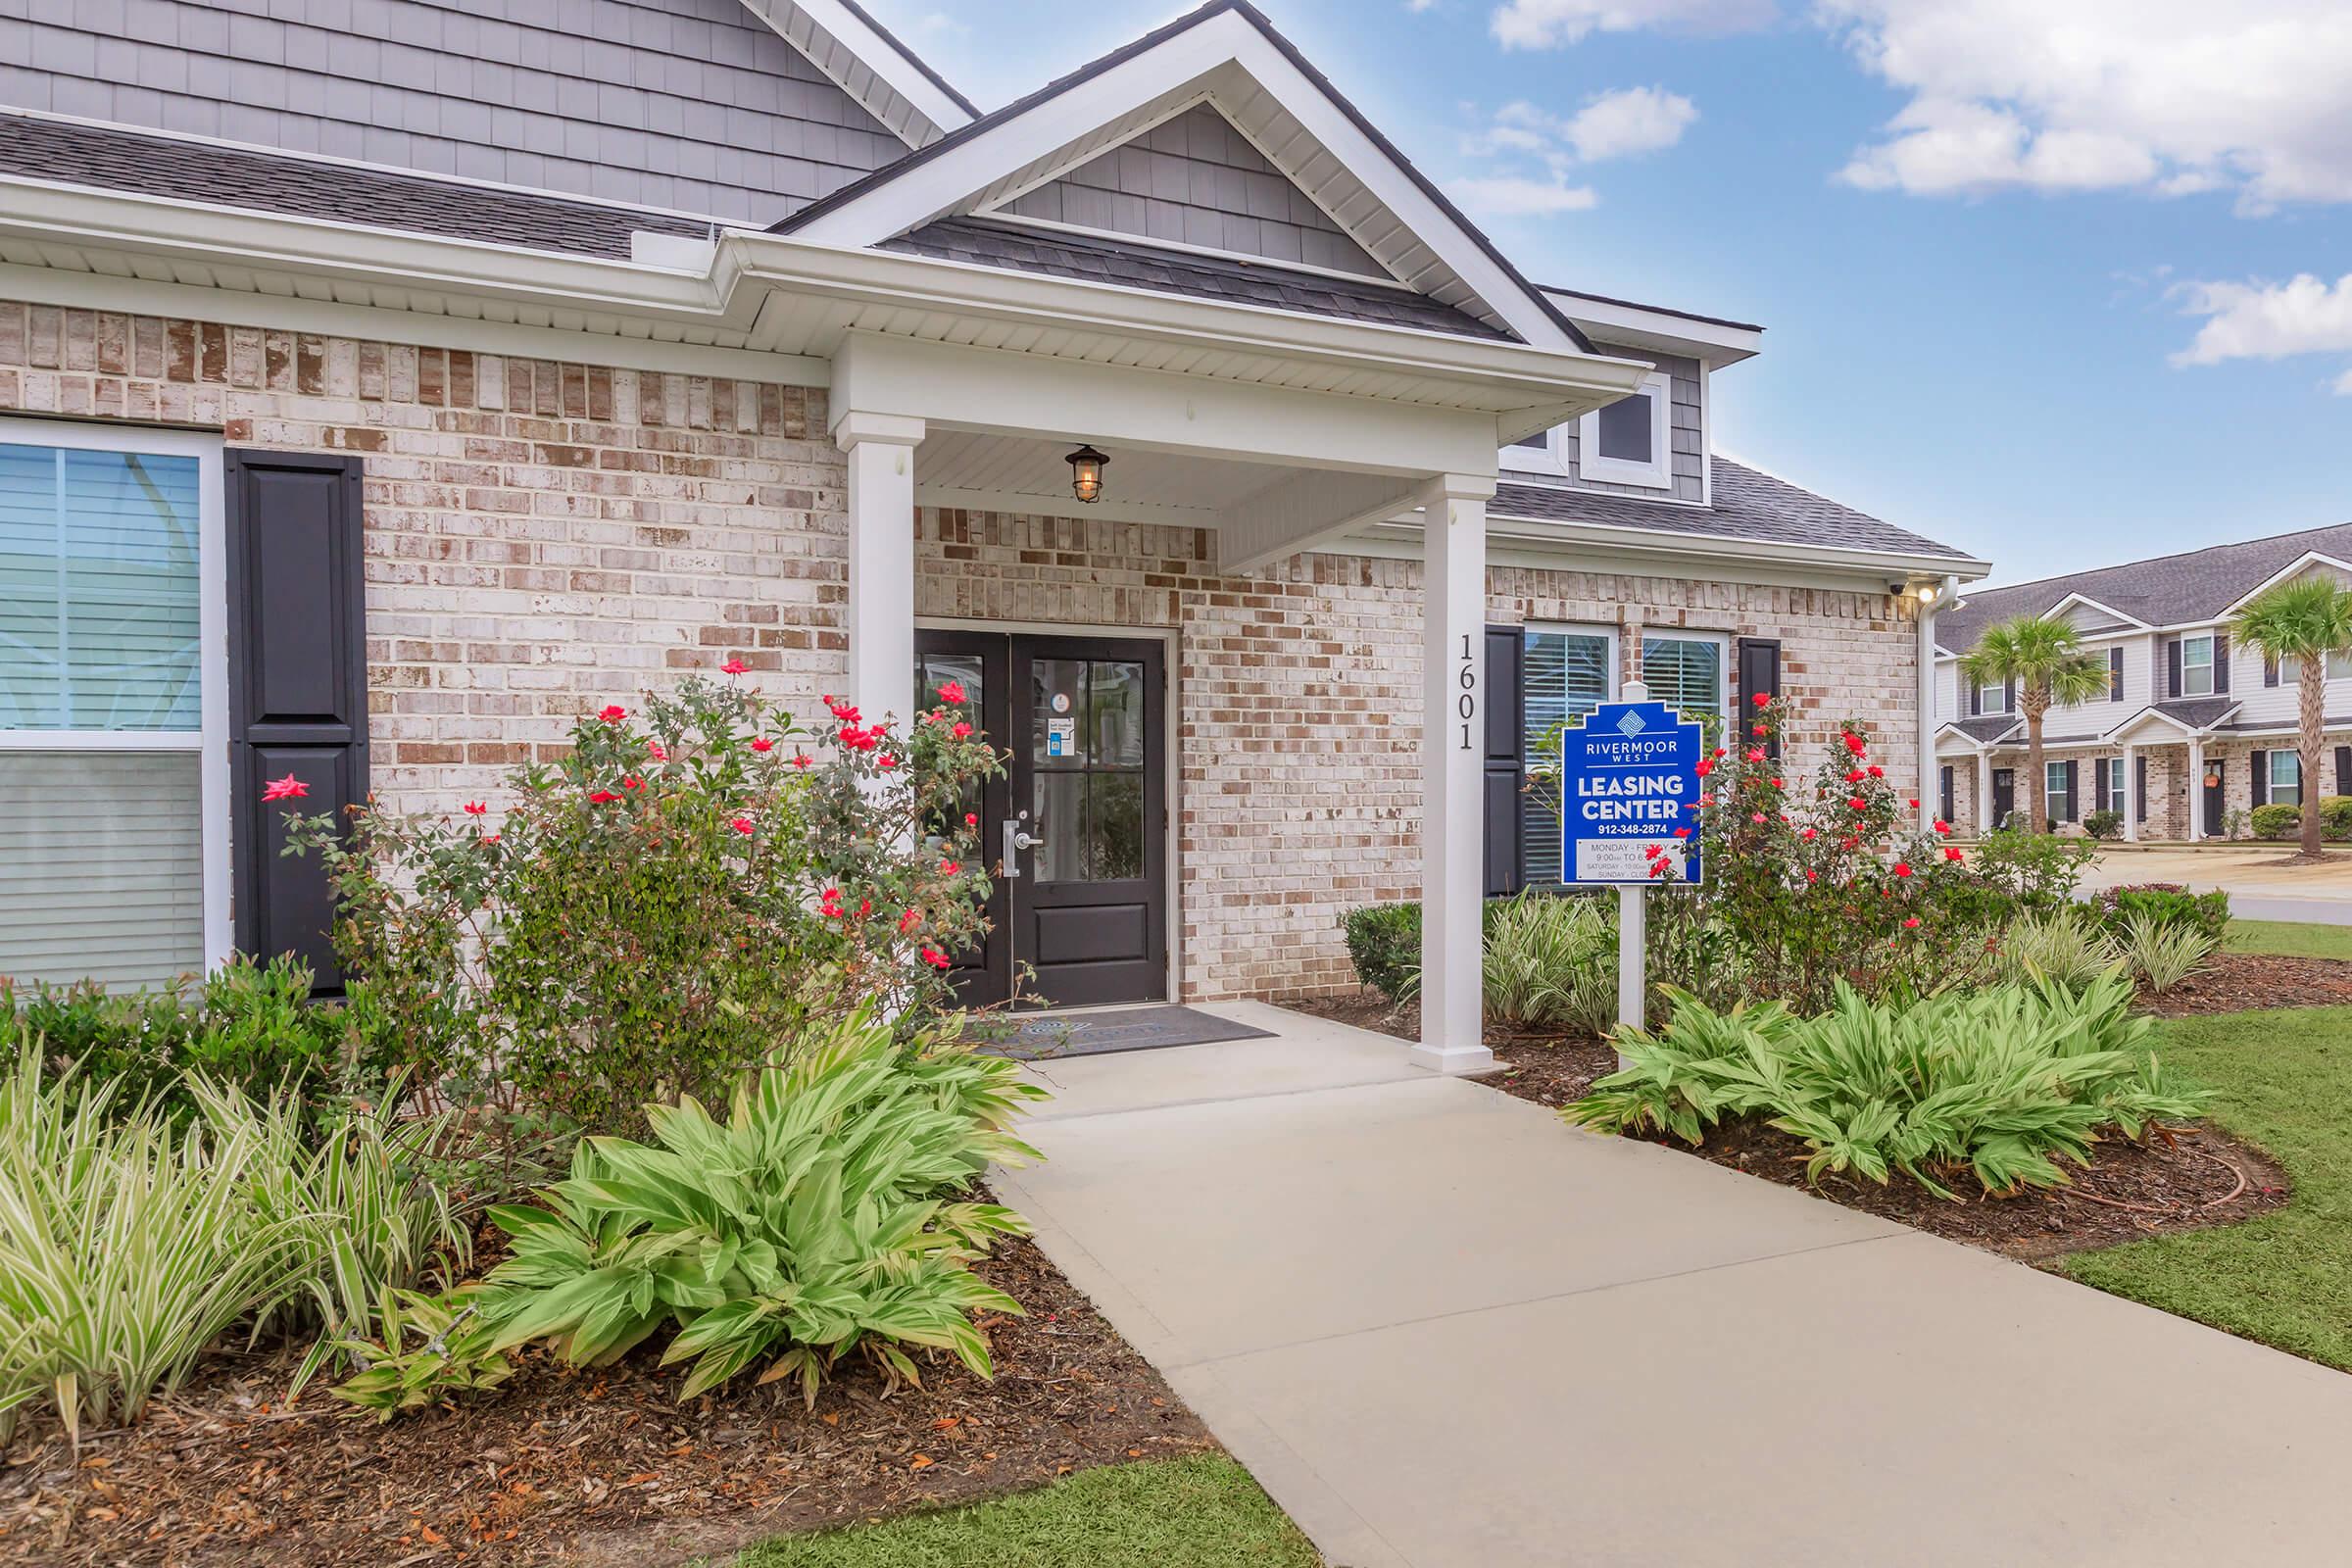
(1980, 233)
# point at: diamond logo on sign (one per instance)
(1631, 724)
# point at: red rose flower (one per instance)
(741, 825)
(1810, 834)
(1912, 924)
(886, 761)
(1853, 775)
(1758, 729)
(935, 958)
(1703, 768)
(1944, 827)
(1951, 852)
(1859, 803)
(633, 782)
(949, 868)
(1682, 832)
(951, 691)
(1876, 771)
(288, 788)
(614, 714)
(761, 743)
(1854, 743)
(477, 809)
(908, 920)
(801, 758)
(971, 820)
(652, 749)
(1902, 868)
(960, 730)
(733, 666)
(1758, 817)
(1812, 876)
(1761, 697)
(1755, 756)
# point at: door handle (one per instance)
(1017, 839)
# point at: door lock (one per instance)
(1017, 839)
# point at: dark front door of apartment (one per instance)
(2004, 794)
(1077, 832)
(2213, 800)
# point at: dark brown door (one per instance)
(1089, 905)
(2004, 794)
(1075, 834)
(2213, 802)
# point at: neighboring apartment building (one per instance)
(395, 380)
(2194, 730)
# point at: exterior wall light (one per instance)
(1086, 473)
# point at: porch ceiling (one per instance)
(988, 471)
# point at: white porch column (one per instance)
(881, 618)
(2131, 795)
(1925, 659)
(1985, 822)
(1453, 758)
(2196, 788)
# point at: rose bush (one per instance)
(664, 905)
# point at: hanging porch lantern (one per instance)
(1086, 474)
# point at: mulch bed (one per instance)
(2242, 982)
(588, 1467)
(2198, 1176)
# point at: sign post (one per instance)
(1629, 801)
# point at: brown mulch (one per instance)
(2242, 982)
(588, 1467)
(2189, 1178)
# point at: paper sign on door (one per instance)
(1062, 737)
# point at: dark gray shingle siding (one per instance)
(1748, 504)
(224, 176)
(1134, 264)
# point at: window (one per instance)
(2111, 784)
(2061, 804)
(113, 716)
(1540, 453)
(2286, 778)
(1686, 672)
(1631, 441)
(2290, 668)
(1567, 675)
(2196, 666)
(1994, 698)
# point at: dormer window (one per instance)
(1631, 441)
(1540, 453)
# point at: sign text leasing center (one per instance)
(1629, 781)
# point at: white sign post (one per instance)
(1628, 789)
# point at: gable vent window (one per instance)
(1629, 441)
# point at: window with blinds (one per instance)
(1685, 673)
(100, 714)
(1566, 677)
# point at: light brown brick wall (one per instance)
(544, 537)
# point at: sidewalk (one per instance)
(1442, 1329)
(2263, 884)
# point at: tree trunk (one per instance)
(2038, 777)
(2312, 702)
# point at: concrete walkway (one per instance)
(2261, 881)
(1444, 1329)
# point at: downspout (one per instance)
(1926, 700)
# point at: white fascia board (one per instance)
(1676, 542)
(1171, 68)
(854, 30)
(2088, 603)
(1545, 378)
(1712, 343)
(2294, 568)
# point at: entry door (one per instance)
(1076, 833)
(2004, 794)
(2213, 802)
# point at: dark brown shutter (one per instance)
(1506, 759)
(2139, 787)
(2343, 770)
(2172, 666)
(2220, 662)
(2073, 790)
(2260, 761)
(298, 687)
(2115, 674)
(1944, 794)
(2270, 671)
(1975, 698)
(1759, 664)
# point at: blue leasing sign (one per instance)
(1629, 778)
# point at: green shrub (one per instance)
(654, 913)
(2062, 946)
(1542, 955)
(808, 1225)
(2007, 1085)
(250, 1026)
(2336, 818)
(1384, 944)
(453, 1355)
(2104, 826)
(2276, 821)
(2031, 871)
(2166, 904)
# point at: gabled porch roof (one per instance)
(2183, 716)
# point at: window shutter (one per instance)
(1506, 759)
(298, 687)
(2073, 790)
(2270, 671)
(1975, 698)
(2220, 662)
(1759, 670)
(2261, 763)
(1943, 794)
(2172, 666)
(2139, 787)
(2115, 674)
(2343, 770)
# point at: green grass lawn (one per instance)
(2291, 939)
(1200, 1512)
(2284, 1081)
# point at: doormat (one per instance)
(1045, 1036)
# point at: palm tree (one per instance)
(2045, 655)
(2305, 619)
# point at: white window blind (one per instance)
(1684, 672)
(103, 850)
(1566, 674)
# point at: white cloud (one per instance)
(1552, 23)
(2168, 96)
(1518, 196)
(1632, 120)
(2257, 320)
